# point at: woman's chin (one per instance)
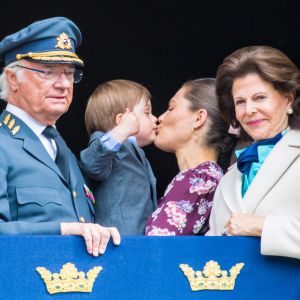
(163, 146)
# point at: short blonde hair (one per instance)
(109, 99)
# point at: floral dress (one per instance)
(185, 207)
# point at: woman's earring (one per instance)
(196, 134)
(289, 111)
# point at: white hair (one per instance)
(3, 79)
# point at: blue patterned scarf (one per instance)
(250, 154)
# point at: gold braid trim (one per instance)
(51, 56)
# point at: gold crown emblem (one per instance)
(69, 279)
(212, 277)
(63, 42)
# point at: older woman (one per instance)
(258, 90)
(193, 129)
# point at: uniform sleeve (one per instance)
(7, 226)
(281, 236)
(96, 159)
(20, 227)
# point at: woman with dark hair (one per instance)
(258, 91)
(194, 130)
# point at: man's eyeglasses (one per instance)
(73, 75)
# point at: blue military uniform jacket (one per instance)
(123, 183)
(34, 196)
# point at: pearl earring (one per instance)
(289, 111)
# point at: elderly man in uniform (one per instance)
(42, 190)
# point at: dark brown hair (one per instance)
(201, 94)
(271, 65)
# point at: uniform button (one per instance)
(82, 219)
(74, 195)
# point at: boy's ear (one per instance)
(118, 118)
(201, 117)
(120, 115)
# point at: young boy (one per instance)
(119, 121)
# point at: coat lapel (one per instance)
(34, 146)
(152, 180)
(135, 151)
(140, 155)
(151, 177)
(31, 143)
(275, 165)
(231, 190)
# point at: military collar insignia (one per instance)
(63, 42)
(6, 119)
(10, 123)
(15, 130)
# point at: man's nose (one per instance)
(62, 79)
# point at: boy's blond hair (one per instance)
(109, 99)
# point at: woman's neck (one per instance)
(191, 157)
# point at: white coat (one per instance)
(274, 193)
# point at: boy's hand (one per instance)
(127, 125)
(129, 122)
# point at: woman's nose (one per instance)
(250, 107)
(161, 118)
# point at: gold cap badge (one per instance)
(63, 42)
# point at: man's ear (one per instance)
(12, 79)
(201, 117)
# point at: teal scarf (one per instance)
(262, 150)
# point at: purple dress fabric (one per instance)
(185, 207)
